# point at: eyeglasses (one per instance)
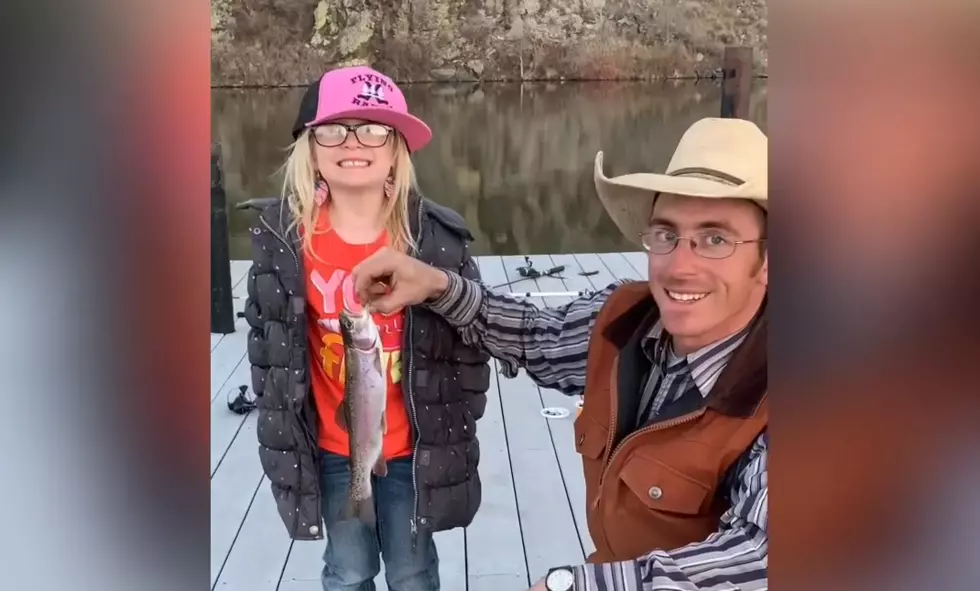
(709, 245)
(370, 135)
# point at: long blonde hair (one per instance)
(299, 186)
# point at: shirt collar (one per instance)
(659, 350)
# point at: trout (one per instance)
(362, 412)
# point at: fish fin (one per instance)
(377, 360)
(384, 423)
(342, 416)
(381, 467)
(363, 510)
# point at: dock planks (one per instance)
(533, 512)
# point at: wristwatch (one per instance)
(560, 579)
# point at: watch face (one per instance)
(560, 580)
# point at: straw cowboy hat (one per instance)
(716, 158)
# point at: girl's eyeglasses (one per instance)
(370, 135)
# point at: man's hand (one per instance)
(539, 586)
(389, 280)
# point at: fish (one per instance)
(362, 412)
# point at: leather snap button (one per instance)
(655, 493)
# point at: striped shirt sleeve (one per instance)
(551, 344)
(735, 557)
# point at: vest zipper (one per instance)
(411, 393)
(655, 427)
(309, 436)
(285, 243)
(415, 426)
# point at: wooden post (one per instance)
(222, 311)
(736, 90)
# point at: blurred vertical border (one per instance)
(105, 282)
(875, 435)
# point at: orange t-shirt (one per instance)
(328, 285)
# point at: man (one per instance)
(673, 371)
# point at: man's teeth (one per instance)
(353, 163)
(685, 297)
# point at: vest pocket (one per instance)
(662, 488)
(591, 438)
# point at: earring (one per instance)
(322, 193)
(389, 187)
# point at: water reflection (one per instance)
(515, 161)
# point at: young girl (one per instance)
(349, 190)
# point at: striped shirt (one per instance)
(552, 345)
(672, 376)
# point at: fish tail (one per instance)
(363, 510)
(381, 467)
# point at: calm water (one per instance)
(515, 162)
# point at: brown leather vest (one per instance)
(658, 487)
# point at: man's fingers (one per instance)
(386, 304)
(371, 271)
(377, 290)
(371, 292)
(374, 279)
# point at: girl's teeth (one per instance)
(353, 163)
(686, 297)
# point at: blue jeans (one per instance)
(351, 558)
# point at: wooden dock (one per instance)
(533, 512)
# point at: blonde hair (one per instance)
(299, 186)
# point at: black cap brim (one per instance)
(307, 108)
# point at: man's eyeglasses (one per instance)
(709, 245)
(370, 135)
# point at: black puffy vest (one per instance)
(445, 380)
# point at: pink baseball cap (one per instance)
(360, 92)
